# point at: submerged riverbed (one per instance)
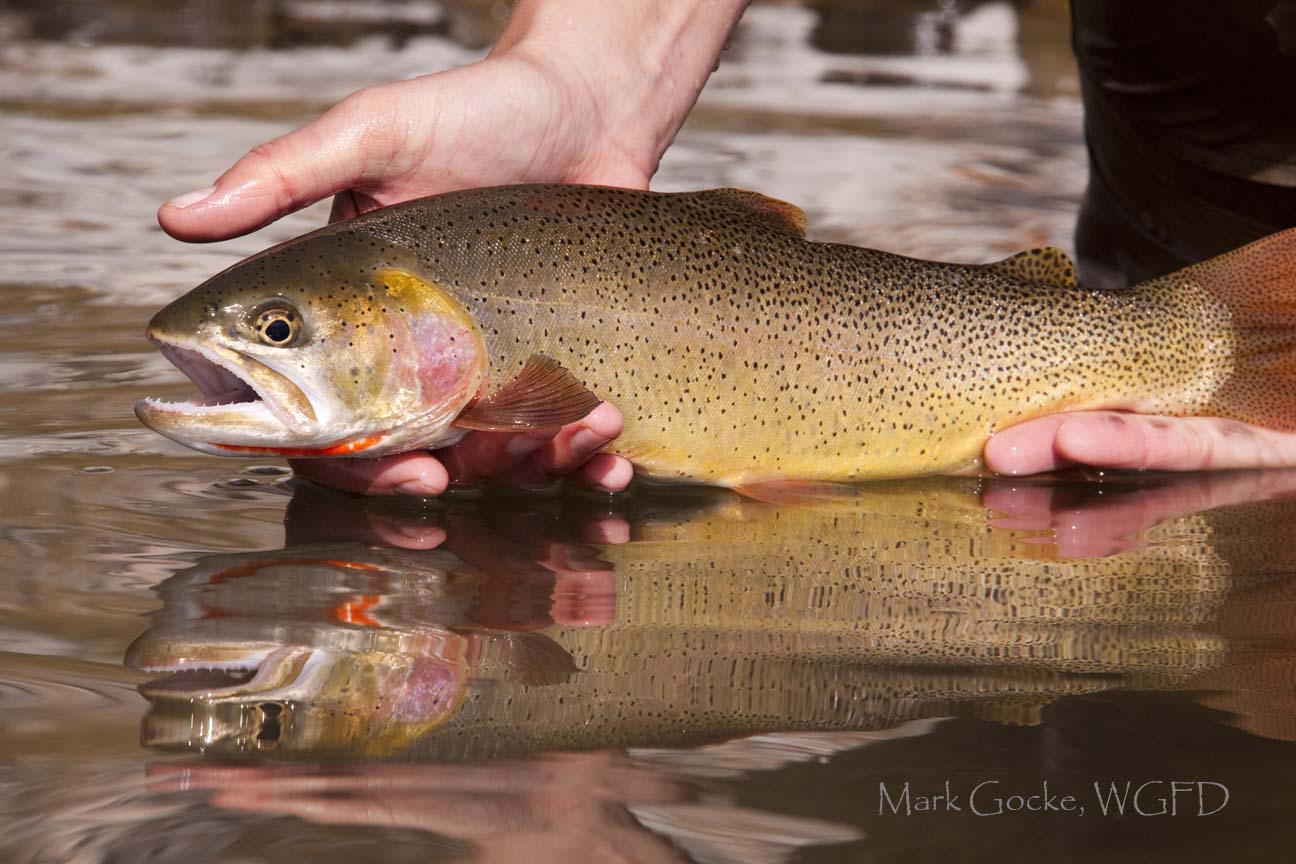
(205, 660)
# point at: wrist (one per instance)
(635, 67)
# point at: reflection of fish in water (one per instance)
(731, 618)
(740, 353)
(323, 648)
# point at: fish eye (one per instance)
(278, 326)
(271, 724)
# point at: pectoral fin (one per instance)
(544, 395)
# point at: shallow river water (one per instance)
(203, 660)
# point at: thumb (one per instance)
(281, 176)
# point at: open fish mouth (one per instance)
(241, 404)
(255, 673)
(219, 385)
(193, 682)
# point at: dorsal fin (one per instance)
(1046, 265)
(544, 395)
(773, 212)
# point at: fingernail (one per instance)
(521, 445)
(613, 531)
(188, 200)
(587, 441)
(415, 487)
(421, 533)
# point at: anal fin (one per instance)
(790, 492)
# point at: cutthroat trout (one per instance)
(740, 353)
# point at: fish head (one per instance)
(310, 649)
(324, 649)
(331, 345)
(370, 693)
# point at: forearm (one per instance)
(642, 62)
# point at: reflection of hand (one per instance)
(539, 571)
(577, 91)
(536, 581)
(564, 807)
(1082, 524)
(1111, 439)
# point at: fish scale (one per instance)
(737, 350)
(741, 353)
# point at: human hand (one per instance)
(576, 91)
(525, 459)
(1112, 439)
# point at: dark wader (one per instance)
(1190, 119)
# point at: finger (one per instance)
(407, 474)
(1020, 508)
(322, 158)
(608, 531)
(571, 448)
(603, 473)
(1026, 448)
(1100, 528)
(169, 777)
(450, 814)
(407, 535)
(564, 557)
(1115, 440)
(1085, 529)
(481, 455)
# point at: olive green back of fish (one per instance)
(739, 352)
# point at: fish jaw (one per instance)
(151, 654)
(255, 406)
(270, 672)
(244, 402)
(284, 661)
(304, 698)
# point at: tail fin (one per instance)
(1258, 285)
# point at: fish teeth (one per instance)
(205, 667)
(197, 406)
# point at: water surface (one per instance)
(204, 660)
